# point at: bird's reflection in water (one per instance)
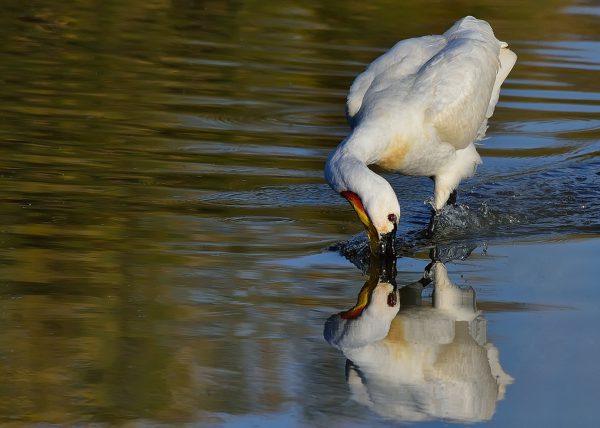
(412, 361)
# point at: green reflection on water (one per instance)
(135, 275)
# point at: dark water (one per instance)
(164, 223)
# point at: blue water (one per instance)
(170, 251)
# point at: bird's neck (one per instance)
(347, 167)
(365, 143)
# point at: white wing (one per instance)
(403, 59)
(454, 79)
(458, 85)
(465, 79)
(507, 61)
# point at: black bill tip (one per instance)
(387, 257)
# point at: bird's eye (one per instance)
(392, 299)
(392, 218)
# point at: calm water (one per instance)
(165, 225)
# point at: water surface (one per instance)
(165, 224)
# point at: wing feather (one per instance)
(403, 59)
(507, 61)
(465, 78)
(453, 79)
(461, 79)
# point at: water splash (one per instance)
(462, 220)
(547, 203)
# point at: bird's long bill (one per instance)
(357, 204)
(378, 273)
(364, 296)
(387, 247)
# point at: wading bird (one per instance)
(410, 361)
(417, 110)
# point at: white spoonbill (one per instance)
(417, 110)
(409, 362)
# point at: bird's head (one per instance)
(370, 319)
(379, 212)
(371, 196)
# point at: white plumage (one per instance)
(426, 362)
(417, 110)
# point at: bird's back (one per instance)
(403, 59)
(449, 82)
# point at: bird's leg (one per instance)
(432, 222)
(431, 226)
(452, 198)
(410, 295)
